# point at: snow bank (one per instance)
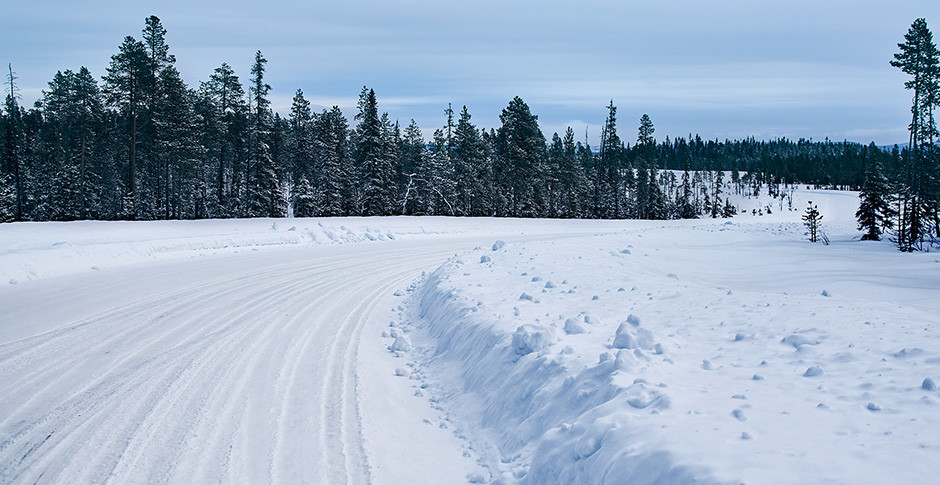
(515, 378)
(706, 353)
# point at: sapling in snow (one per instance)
(812, 218)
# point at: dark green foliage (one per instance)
(146, 146)
(875, 213)
(520, 148)
(917, 182)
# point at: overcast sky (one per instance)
(722, 69)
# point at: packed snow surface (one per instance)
(442, 350)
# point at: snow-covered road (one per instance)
(237, 368)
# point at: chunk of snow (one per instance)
(525, 296)
(928, 385)
(798, 340)
(813, 371)
(401, 371)
(628, 337)
(401, 344)
(873, 407)
(573, 326)
(531, 338)
(500, 244)
(633, 320)
(549, 284)
(485, 259)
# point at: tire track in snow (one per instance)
(215, 381)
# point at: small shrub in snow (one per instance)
(531, 338)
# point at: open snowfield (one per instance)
(531, 351)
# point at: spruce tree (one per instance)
(336, 188)
(410, 167)
(919, 58)
(228, 135)
(874, 213)
(521, 151)
(811, 219)
(126, 87)
(13, 147)
(263, 188)
(608, 191)
(469, 154)
(371, 164)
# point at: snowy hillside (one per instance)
(447, 350)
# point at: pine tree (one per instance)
(520, 146)
(7, 199)
(129, 80)
(411, 160)
(263, 188)
(374, 168)
(439, 176)
(336, 187)
(874, 213)
(227, 97)
(919, 58)
(304, 198)
(811, 219)
(608, 191)
(13, 143)
(469, 155)
(178, 147)
(300, 143)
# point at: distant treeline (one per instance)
(142, 145)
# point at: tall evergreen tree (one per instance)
(372, 164)
(874, 213)
(608, 191)
(335, 186)
(411, 167)
(469, 155)
(228, 136)
(129, 79)
(301, 140)
(263, 189)
(919, 58)
(13, 139)
(74, 111)
(520, 146)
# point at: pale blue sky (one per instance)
(725, 69)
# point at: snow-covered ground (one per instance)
(531, 351)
